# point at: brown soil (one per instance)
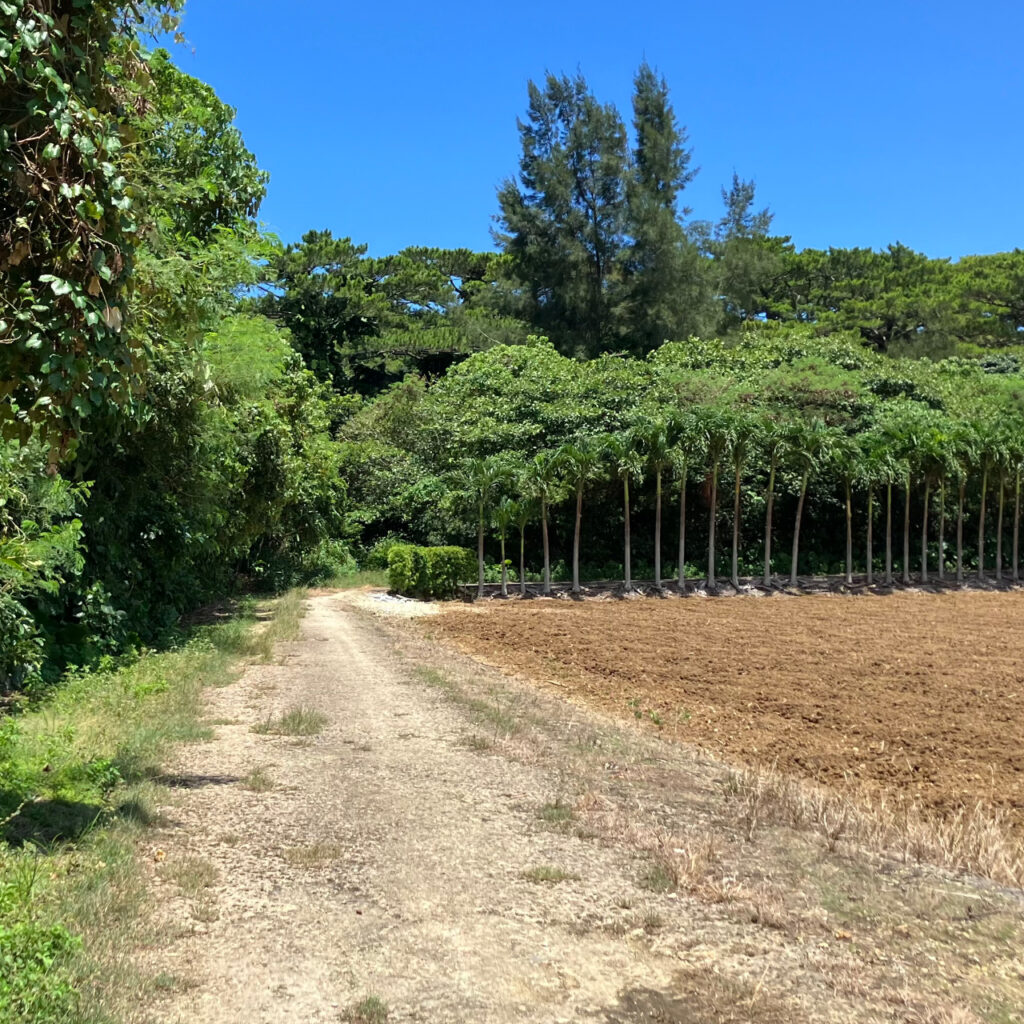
(920, 693)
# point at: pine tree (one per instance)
(563, 221)
(668, 295)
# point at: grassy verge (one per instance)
(79, 779)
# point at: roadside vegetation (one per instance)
(80, 782)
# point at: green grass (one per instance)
(79, 784)
(557, 813)
(370, 1010)
(296, 721)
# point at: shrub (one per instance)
(429, 572)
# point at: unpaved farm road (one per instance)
(395, 854)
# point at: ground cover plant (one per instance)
(80, 776)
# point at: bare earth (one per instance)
(411, 851)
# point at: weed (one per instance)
(652, 921)
(369, 1010)
(556, 813)
(476, 742)
(193, 874)
(316, 855)
(258, 780)
(659, 876)
(548, 874)
(296, 721)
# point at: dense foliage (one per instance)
(809, 439)
(157, 441)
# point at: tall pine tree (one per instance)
(563, 222)
(668, 296)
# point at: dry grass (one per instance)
(258, 780)
(316, 855)
(548, 874)
(192, 874)
(975, 841)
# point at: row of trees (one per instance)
(911, 449)
(820, 433)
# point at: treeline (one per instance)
(813, 456)
(157, 442)
(186, 404)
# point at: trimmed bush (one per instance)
(429, 572)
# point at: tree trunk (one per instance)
(888, 534)
(547, 548)
(769, 507)
(906, 533)
(627, 566)
(522, 561)
(981, 525)
(999, 527)
(712, 582)
(849, 536)
(960, 534)
(870, 540)
(682, 535)
(736, 530)
(796, 531)
(504, 568)
(942, 527)
(1016, 530)
(576, 540)
(480, 552)
(657, 529)
(924, 531)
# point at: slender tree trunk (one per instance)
(712, 582)
(906, 532)
(522, 561)
(942, 527)
(682, 535)
(999, 527)
(796, 531)
(888, 534)
(849, 535)
(960, 534)
(576, 540)
(769, 508)
(627, 565)
(871, 527)
(657, 529)
(547, 547)
(480, 552)
(1016, 529)
(736, 530)
(924, 531)
(504, 568)
(981, 525)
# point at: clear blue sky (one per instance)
(861, 123)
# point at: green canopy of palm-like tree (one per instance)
(543, 481)
(656, 447)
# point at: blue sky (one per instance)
(862, 124)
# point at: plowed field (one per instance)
(921, 693)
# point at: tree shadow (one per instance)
(43, 822)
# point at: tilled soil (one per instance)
(917, 693)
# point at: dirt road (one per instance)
(465, 850)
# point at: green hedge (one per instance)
(429, 572)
